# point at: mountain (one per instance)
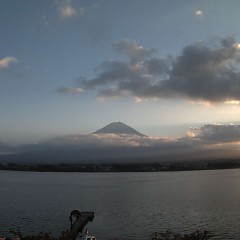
(118, 128)
(83, 148)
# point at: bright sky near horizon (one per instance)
(160, 66)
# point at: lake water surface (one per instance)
(126, 205)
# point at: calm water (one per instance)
(126, 205)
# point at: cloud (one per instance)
(71, 90)
(5, 62)
(203, 143)
(98, 140)
(199, 13)
(200, 73)
(196, 138)
(217, 133)
(132, 49)
(67, 10)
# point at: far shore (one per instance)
(125, 167)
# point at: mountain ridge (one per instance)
(118, 128)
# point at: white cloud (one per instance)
(67, 11)
(101, 140)
(4, 63)
(138, 99)
(232, 102)
(199, 13)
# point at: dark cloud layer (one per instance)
(217, 133)
(199, 73)
(207, 142)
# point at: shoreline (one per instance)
(124, 167)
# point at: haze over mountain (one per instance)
(119, 143)
(118, 128)
(113, 143)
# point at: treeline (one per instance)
(124, 167)
(167, 235)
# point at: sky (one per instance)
(169, 69)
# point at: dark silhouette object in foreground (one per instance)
(78, 221)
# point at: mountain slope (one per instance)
(118, 128)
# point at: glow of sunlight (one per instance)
(237, 45)
(232, 102)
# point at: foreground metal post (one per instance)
(81, 220)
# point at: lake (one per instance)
(126, 205)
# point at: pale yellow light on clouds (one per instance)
(237, 45)
(232, 102)
(138, 99)
(67, 11)
(4, 63)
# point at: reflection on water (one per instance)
(126, 205)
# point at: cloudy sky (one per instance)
(169, 69)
